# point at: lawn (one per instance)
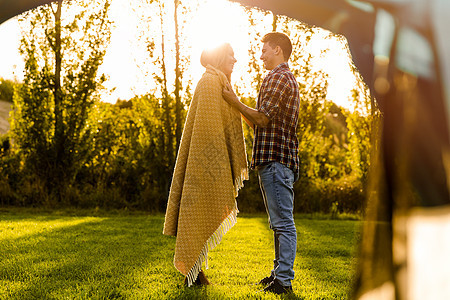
(91, 255)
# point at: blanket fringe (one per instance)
(239, 181)
(210, 244)
(216, 237)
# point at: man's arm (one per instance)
(250, 124)
(257, 118)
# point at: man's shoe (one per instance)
(276, 288)
(266, 280)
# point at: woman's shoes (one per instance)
(201, 280)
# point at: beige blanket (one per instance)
(210, 169)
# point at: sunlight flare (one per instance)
(218, 22)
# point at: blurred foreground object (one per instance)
(406, 233)
(401, 50)
(12, 8)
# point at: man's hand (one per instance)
(229, 95)
(251, 115)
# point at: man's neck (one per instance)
(279, 65)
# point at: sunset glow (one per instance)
(217, 22)
(214, 22)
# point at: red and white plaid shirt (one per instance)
(279, 100)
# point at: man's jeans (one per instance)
(276, 181)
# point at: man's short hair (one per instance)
(279, 39)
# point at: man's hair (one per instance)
(279, 39)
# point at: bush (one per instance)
(5, 144)
(250, 199)
(9, 175)
(6, 90)
(326, 196)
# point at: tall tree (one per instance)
(167, 99)
(171, 81)
(162, 33)
(57, 95)
(178, 127)
(255, 69)
(274, 22)
(63, 45)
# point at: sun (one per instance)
(218, 22)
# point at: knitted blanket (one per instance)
(210, 169)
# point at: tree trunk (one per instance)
(166, 98)
(57, 85)
(274, 22)
(177, 79)
(59, 122)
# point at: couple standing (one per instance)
(211, 163)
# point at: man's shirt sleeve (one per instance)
(273, 92)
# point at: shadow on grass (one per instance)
(326, 255)
(98, 257)
(127, 257)
(326, 251)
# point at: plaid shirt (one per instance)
(279, 100)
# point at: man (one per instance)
(275, 152)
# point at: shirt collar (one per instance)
(281, 66)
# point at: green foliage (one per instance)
(71, 149)
(330, 178)
(99, 255)
(255, 68)
(340, 196)
(7, 167)
(5, 145)
(173, 88)
(130, 156)
(7, 89)
(50, 124)
(360, 133)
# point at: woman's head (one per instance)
(221, 57)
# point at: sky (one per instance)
(10, 61)
(121, 60)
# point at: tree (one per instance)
(178, 107)
(360, 134)
(61, 83)
(122, 155)
(361, 124)
(7, 89)
(255, 71)
(171, 82)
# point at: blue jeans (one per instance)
(277, 187)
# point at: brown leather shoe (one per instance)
(201, 280)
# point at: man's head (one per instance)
(277, 49)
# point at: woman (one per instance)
(210, 169)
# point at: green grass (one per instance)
(83, 255)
